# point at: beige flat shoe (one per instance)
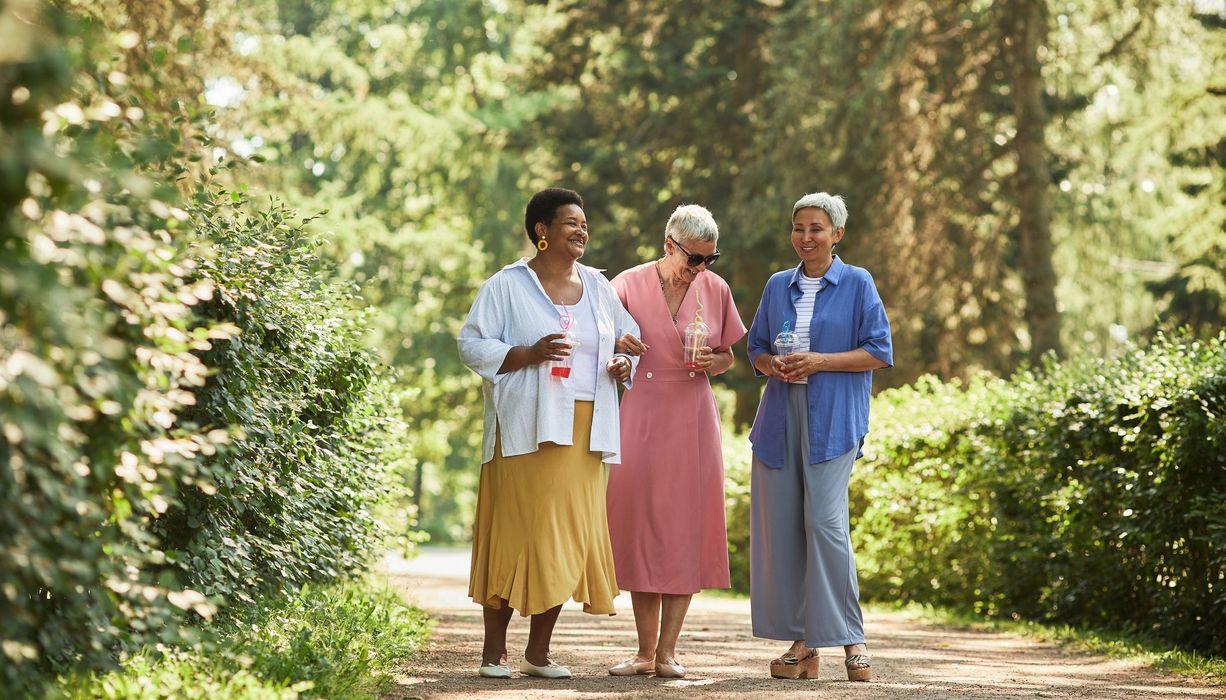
(630, 667)
(670, 669)
(793, 667)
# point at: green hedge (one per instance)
(337, 641)
(1092, 492)
(187, 420)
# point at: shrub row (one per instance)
(1091, 492)
(332, 641)
(186, 417)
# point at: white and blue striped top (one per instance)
(809, 288)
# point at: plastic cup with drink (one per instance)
(560, 369)
(695, 337)
(786, 342)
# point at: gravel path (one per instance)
(910, 660)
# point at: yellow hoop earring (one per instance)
(542, 245)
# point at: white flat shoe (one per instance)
(550, 670)
(630, 667)
(494, 671)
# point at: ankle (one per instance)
(537, 657)
(494, 658)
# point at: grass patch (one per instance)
(1120, 645)
(339, 641)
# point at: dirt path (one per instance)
(911, 661)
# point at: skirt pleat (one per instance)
(541, 534)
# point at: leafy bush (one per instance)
(1092, 492)
(340, 641)
(186, 417)
(95, 362)
(291, 501)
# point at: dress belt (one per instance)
(677, 374)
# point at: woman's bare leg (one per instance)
(494, 650)
(672, 617)
(540, 632)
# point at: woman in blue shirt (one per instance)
(806, 435)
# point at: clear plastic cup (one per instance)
(786, 342)
(696, 334)
(560, 369)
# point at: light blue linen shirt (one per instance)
(527, 406)
(847, 314)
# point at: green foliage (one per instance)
(292, 500)
(907, 108)
(186, 417)
(341, 641)
(96, 360)
(738, 463)
(393, 120)
(1091, 492)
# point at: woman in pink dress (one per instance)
(666, 499)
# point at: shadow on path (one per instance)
(910, 660)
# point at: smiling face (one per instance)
(813, 237)
(676, 259)
(566, 234)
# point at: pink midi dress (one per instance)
(666, 498)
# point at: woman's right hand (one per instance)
(549, 348)
(629, 345)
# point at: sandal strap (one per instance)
(790, 659)
(858, 660)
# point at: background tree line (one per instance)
(1022, 176)
(416, 129)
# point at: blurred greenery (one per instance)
(417, 129)
(189, 367)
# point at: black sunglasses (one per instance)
(694, 259)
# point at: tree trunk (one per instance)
(1025, 31)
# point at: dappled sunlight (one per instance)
(723, 659)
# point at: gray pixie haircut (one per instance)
(692, 222)
(832, 204)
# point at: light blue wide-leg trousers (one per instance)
(802, 578)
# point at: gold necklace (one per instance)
(664, 293)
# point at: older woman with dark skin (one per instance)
(810, 425)
(542, 334)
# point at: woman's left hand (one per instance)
(799, 365)
(619, 368)
(704, 358)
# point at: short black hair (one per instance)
(544, 205)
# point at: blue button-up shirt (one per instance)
(848, 314)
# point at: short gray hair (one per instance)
(692, 222)
(832, 204)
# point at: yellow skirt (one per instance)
(541, 534)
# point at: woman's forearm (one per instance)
(858, 360)
(762, 363)
(518, 357)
